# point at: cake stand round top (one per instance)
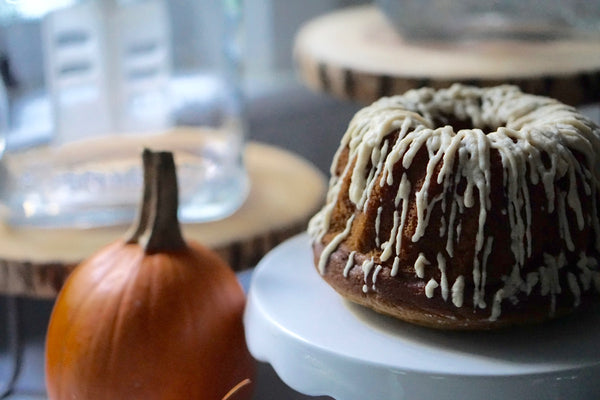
(356, 54)
(286, 190)
(319, 344)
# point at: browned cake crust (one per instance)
(481, 228)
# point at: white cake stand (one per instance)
(319, 344)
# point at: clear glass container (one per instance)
(89, 84)
(492, 19)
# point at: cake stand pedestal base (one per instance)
(319, 344)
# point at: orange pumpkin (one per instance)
(151, 316)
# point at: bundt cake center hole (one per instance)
(457, 123)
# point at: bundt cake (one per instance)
(464, 208)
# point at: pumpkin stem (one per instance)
(157, 228)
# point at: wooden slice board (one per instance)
(285, 192)
(356, 54)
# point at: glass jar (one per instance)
(114, 77)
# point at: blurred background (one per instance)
(278, 108)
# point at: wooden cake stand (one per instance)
(356, 54)
(285, 192)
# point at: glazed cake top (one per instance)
(539, 140)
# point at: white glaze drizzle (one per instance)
(404, 193)
(330, 248)
(531, 280)
(531, 128)
(378, 269)
(420, 265)
(430, 288)
(387, 245)
(586, 265)
(366, 267)
(496, 305)
(443, 277)
(349, 263)
(458, 291)
(395, 266)
(574, 287)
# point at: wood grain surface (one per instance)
(356, 54)
(285, 192)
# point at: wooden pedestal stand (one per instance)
(285, 192)
(356, 54)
